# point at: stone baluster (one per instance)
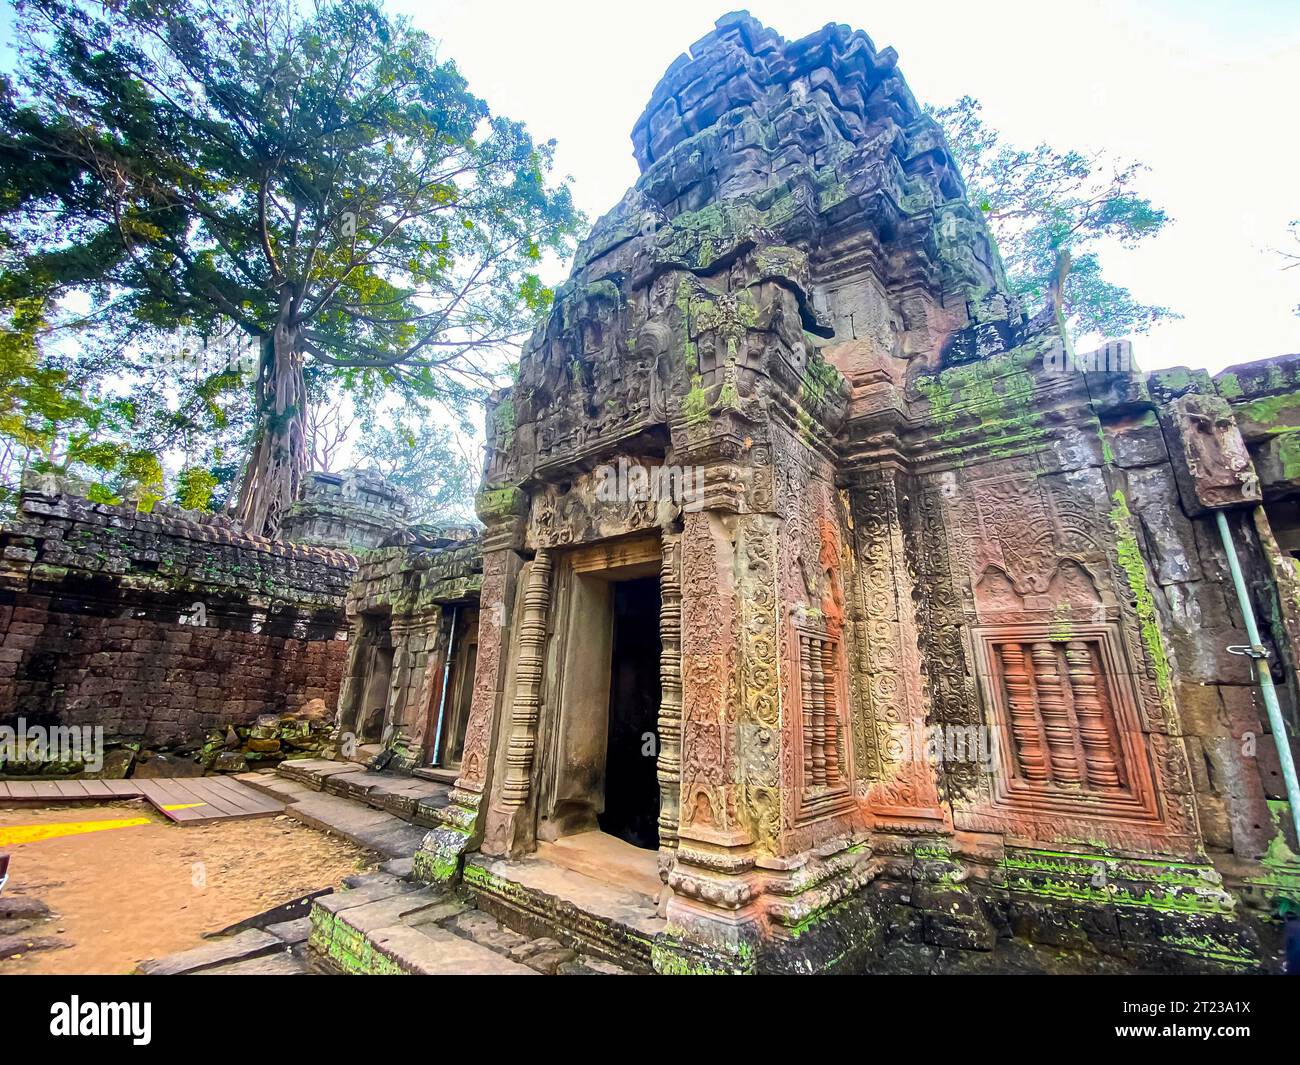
(819, 713)
(1030, 753)
(1091, 711)
(830, 712)
(1057, 727)
(806, 698)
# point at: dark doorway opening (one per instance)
(375, 693)
(631, 785)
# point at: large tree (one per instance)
(316, 177)
(56, 416)
(1048, 211)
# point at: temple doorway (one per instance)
(631, 808)
(376, 678)
(600, 742)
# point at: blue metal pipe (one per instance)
(1260, 654)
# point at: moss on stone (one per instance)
(695, 405)
(820, 378)
(1129, 556)
(1229, 386)
(1273, 412)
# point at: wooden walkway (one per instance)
(185, 800)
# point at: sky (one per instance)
(1203, 93)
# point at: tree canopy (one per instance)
(318, 179)
(422, 456)
(1048, 211)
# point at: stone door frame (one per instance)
(603, 562)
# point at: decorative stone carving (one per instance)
(528, 683)
(669, 765)
(1210, 457)
(910, 525)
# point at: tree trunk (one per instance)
(279, 463)
(1056, 297)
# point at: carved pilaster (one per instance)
(426, 648)
(461, 825)
(669, 766)
(353, 676)
(528, 683)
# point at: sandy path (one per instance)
(125, 894)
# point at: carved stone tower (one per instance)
(786, 395)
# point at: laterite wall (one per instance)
(99, 623)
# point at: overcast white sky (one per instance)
(1204, 93)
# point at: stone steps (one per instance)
(533, 914)
(375, 830)
(220, 955)
(413, 799)
(539, 898)
(383, 812)
(387, 926)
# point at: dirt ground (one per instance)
(125, 894)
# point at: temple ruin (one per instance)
(823, 595)
(919, 520)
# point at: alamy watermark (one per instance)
(1114, 356)
(630, 482)
(83, 744)
(133, 1020)
(948, 744)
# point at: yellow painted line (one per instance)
(18, 834)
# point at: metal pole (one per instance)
(446, 674)
(1260, 654)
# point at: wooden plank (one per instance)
(199, 800)
(253, 796)
(241, 803)
(221, 800)
(161, 794)
(27, 791)
(205, 793)
(170, 793)
(251, 803)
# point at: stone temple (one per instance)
(823, 594)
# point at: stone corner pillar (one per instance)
(503, 510)
(509, 827)
(714, 921)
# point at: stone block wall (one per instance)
(351, 511)
(161, 627)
